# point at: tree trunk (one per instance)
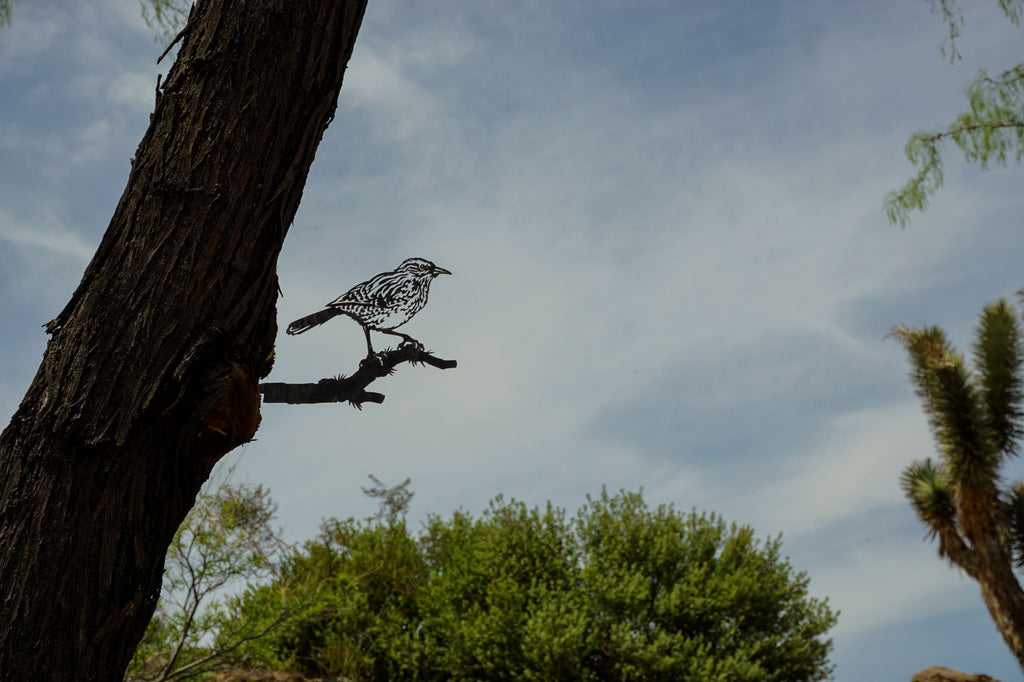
(151, 373)
(1002, 595)
(983, 518)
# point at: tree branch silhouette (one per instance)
(353, 388)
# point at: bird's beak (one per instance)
(441, 271)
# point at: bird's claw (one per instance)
(412, 342)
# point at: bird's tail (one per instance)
(304, 324)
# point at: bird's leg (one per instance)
(369, 346)
(405, 338)
(372, 357)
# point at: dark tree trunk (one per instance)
(151, 373)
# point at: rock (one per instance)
(937, 673)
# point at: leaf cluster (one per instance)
(618, 592)
(991, 130)
(952, 14)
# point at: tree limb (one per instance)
(352, 389)
(992, 129)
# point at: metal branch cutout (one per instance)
(382, 304)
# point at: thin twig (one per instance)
(220, 653)
(181, 34)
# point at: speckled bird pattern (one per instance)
(381, 303)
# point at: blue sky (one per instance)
(672, 270)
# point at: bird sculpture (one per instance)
(382, 303)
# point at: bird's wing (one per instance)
(379, 292)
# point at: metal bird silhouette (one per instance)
(382, 303)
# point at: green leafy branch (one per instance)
(992, 130)
(227, 538)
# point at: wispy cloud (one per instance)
(134, 89)
(48, 236)
(672, 270)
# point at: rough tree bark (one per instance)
(151, 373)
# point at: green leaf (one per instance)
(619, 591)
(991, 130)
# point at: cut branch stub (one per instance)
(352, 389)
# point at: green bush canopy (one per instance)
(620, 592)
